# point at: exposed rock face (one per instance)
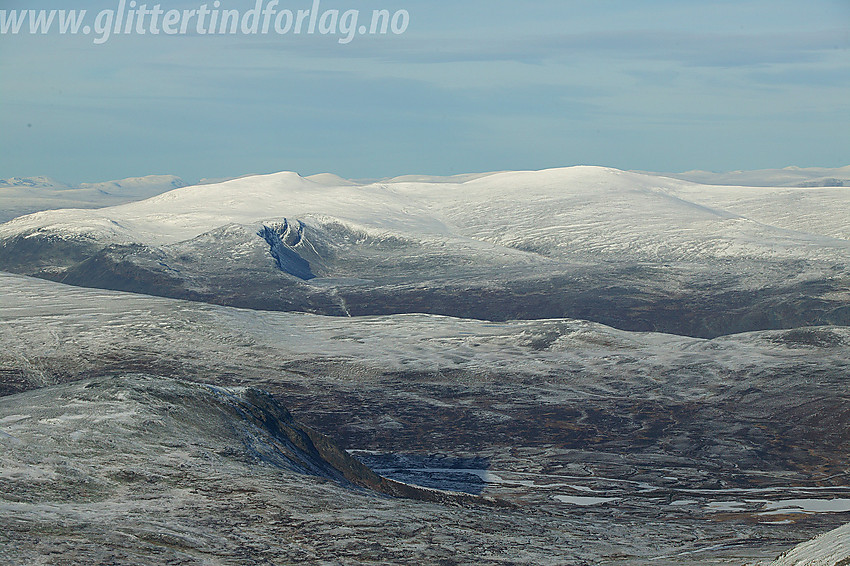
(282, 241)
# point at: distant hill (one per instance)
(786, 177)
(25, 195)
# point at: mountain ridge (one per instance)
(635, 251)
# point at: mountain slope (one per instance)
(144, 470)
(634, 251)
(249, 422)
(828, 549)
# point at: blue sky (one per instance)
(476, 86)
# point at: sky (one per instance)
(478, 85)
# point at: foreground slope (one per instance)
(828, 549)
(250, 422)
(634, 251)
(144, 470)
(613, 446)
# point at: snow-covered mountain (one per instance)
(632, 250)
(786, 177)
(137, 187)
(25, 195)
(573, 212)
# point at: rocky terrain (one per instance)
(597, 445)
(142, 470)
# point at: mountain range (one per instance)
(634, 251)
